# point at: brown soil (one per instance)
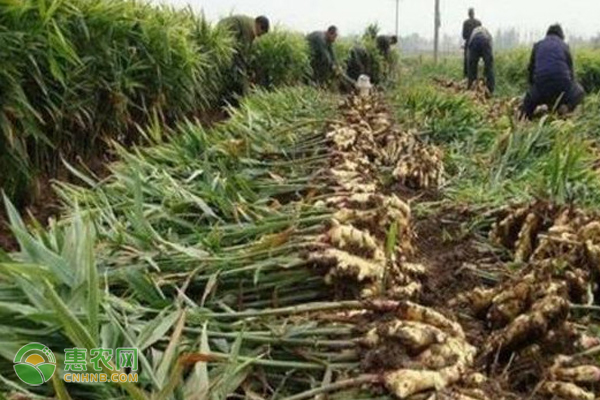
(7, 241)
(446, 250)
(45, 203)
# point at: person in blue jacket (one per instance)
(551, 75)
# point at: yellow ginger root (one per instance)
(442, 355)
(544, 315)
(372, 338)
(478, 299)
(415, 336)
(407, 382)
(413, 269)
(502, 314)
(355, 200)
(344, 174)
(590, 232)
(462, 394)
(348, 264)
(357, 187)
(414, 312)
(381, 122)
(408, 291)
(343, 137)
(524, 245)
(348, 238)
(354, 184)
(404, 383)
(366, 205)
(501, 231)
(349, 165)
(359, 200)
(347, 216)
(555, 288)
(565, 390)
(582, 374)
(592, 253)
(422, 170)
(520, 290)
(509, 304)
(394, 202)
(577, 284)
(371, 290)
(402, 171)
(587, 342)
(373, 210)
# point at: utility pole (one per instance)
(397, 17)
(436, 36)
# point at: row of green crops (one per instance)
(280, 58)
(165, 253)
(512, 69)
(78, 74)
(283, 58)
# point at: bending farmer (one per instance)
(322, 57)
(480, 47)
(244, 31)
(551, 75)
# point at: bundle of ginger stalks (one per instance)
(362, 253)
(245, 259)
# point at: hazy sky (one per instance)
(580, 17)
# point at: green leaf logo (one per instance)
(34, 364)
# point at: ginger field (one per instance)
(419, 243)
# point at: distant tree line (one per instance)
(504, 39)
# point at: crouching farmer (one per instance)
(551, 76)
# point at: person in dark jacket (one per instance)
(468, 27)
(360, 63)
(551, 75)
(385, 43)
(322, 57)
(244, 30)
(480, 47)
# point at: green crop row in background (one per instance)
(79, 73)
(512, 69)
